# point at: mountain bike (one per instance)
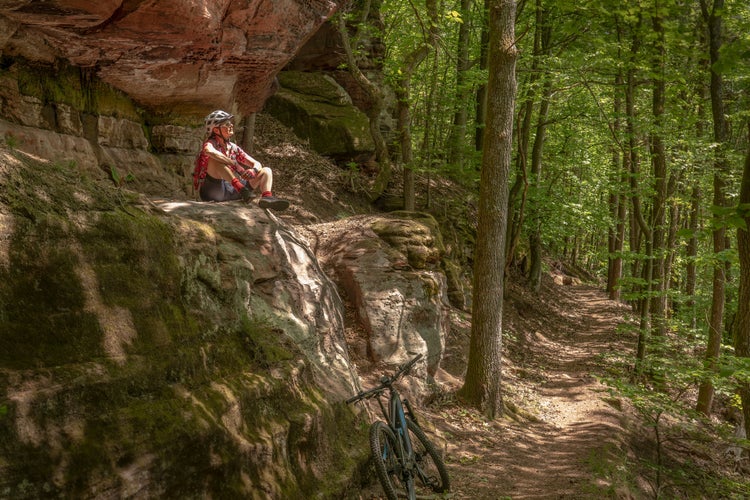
(406, 462)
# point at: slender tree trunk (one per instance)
(521, 185)
(375, 98)
(742, 337)
(644, 326)
(456, 146)
(403, 106)
(692, 254)
(616, 202)
(639, 226)
(481, 97)
(483, 374)
(542, 41)
(712, 15)
(674, 224)
(535, 239)
(659, 164)
(428, 148)
(515, 225)
(248, 133)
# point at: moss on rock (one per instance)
(74, 86)
(320, 111)
(415, 235)
(200, 401)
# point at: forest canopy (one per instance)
(630, 132)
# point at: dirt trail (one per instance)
(568, 442)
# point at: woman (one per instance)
(223, 171)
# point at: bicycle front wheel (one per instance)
(388, 464)
(431, 475)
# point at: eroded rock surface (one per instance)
(389, 268)
(186, 54)
(163, 348)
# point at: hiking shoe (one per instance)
(273, 203)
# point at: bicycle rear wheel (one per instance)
(386, 454)
(431, 475)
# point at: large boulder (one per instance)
(319, 110)
(389, 268)
(160, 347)
(164, 348)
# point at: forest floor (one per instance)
(563, 437)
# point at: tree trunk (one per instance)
(483, 375)
(742, 337)
(375, 98)
(523, 139)
(248, 133)
(460, 117)
(716, 321)
(674, 223)
(403, 97)
(535, 239)
(659, 165)
(692, 254)
(481, 97)
(617, 201)
(639, 226)
(541, 48)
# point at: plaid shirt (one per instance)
(229, 149)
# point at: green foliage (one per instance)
(118, 179)
(660, 395)
(10, 141)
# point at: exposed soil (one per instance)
(560, 437)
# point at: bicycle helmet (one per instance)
(216, 118)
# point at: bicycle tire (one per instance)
(432, 476)
(385, 454)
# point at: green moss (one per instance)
(99, 415)
(74, 86)
(42, 306)
(265, 344)
(134, 256)
(318, 110)
(178, 114)
(37, 190)
(415, 235)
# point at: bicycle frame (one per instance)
(395, 417)
(399, 422)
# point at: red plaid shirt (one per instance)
(230, 149)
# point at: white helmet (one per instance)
(216, 118)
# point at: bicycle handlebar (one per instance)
(386, 381)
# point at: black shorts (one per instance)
(214, 189)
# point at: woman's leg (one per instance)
(263, 181)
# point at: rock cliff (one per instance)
(162, 348)
(154, 346)
(171, 55)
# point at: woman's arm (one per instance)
(217, 155)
